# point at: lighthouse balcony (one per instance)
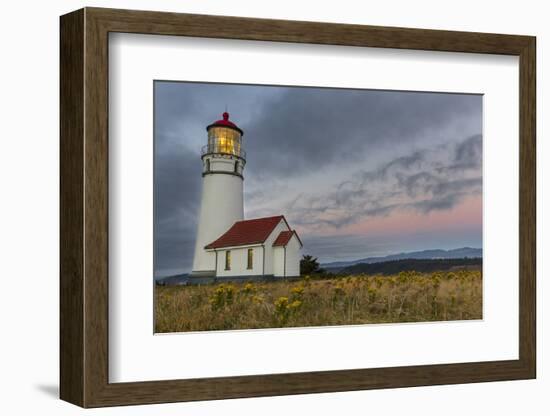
(223, 149)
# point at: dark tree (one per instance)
(309, 265)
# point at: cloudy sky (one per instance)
(358, 173)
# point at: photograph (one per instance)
(308, 206)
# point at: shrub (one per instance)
(223, 295)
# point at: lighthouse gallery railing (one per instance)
(224, 150)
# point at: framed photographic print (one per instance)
(255, 207)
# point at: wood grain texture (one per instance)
(527, 208)
(84, 207)
(96, 209)
(71, 213)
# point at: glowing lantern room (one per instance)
(224, 137)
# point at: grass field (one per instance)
(405, 297)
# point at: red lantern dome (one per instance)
(224, 122)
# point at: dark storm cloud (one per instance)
(316, 127)
(468, 153)
(291, 133)
(177, 195)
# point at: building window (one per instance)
(207, 167)
(228, 260)
(250, 259)
(236, 167)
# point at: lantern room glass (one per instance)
(224, 140)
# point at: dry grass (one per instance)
(406, 297)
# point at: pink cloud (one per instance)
(466, 214)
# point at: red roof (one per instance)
(283, 238)
(246, 232)
(224, 122)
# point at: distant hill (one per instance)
(418, 265)
(458, 253)
(178, 279)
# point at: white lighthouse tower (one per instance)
(223, 160)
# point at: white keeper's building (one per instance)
(227, 245)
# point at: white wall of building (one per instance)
(239, 262)
(293, 256)
(221, 206)
(286, 260)
(279, 261)
(269, 245)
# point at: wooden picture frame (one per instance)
(84, 207)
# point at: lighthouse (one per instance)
(228, 247)
(223, 161)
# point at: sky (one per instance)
(357, 173)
